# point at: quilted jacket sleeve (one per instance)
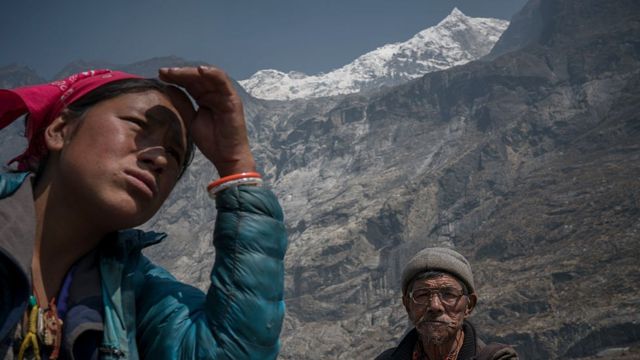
(241, 315)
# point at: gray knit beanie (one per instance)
(442, 259)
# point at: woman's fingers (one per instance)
(219, 128)
(219, 104)
(200, 81)
(218, 79)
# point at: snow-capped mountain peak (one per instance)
(455, 13)
(456, 40)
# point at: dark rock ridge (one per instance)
(17, 75)
(528, 162)
(146, 68)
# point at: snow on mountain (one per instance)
(456, 40)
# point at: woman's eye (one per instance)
(139, 122)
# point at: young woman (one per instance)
(105, 150)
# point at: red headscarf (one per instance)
(43, 103)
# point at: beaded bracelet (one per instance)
(246, 178)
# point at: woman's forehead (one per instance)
(158, 105)
(159, 109)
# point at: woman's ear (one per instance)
(57, 133)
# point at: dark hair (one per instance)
(128, 86)
(430, 274)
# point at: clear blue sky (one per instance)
(240, 36)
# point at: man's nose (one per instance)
(434, 304)
(154, 158)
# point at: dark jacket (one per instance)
(143, 311)
(472, 346)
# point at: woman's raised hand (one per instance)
(219, 128)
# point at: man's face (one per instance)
(437, 307)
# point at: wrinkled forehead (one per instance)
(436, 280)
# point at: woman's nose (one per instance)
(155, 158)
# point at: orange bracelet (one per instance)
(225, 179)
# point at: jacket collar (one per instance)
(17, 223)
(10, 182)
(469, 345)
(18, 219)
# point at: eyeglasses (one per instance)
(447, 296)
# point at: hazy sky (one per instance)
(240, 36)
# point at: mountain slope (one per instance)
(456, 40)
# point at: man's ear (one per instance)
(405, 301)
(471, 304)
(57, 133)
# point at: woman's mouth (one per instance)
(142, 181)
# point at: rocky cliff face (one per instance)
(527, 162)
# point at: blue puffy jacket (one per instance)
(149, 314)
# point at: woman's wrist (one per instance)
(236, 167)
(245, 178)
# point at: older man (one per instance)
(438, 293)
